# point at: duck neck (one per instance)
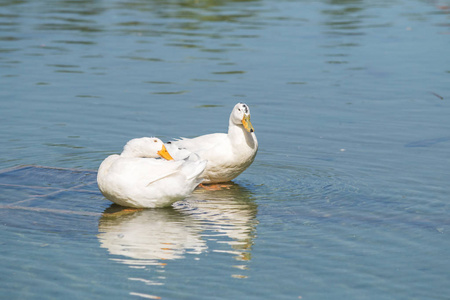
(129, 153)
(237, 133)
(133, 152)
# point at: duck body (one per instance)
(228, 154)
(141, 180)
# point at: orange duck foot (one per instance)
(214, 187)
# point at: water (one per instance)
(347, 197)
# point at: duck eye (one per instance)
(155, 141)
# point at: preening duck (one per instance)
(145, 175)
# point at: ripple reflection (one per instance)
(227, 216)
(222, 221)
(145, 237)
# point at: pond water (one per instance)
(348, 197)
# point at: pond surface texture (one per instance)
(349, 195)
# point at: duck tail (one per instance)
(195, 169)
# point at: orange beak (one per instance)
(247, 124)
(164, 154)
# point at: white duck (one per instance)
(136, 178)
(228, 155)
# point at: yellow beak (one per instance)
(164, 154)
(247, 124)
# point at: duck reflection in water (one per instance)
(227, 216)
(206, 221)
(148, 236)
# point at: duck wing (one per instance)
(144, 171)
(201, 143)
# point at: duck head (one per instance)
(241, 116)
(149, 147)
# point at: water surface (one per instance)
(348, 195)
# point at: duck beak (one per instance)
(247, 124)
(164, 154)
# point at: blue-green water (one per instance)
(348, 197)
